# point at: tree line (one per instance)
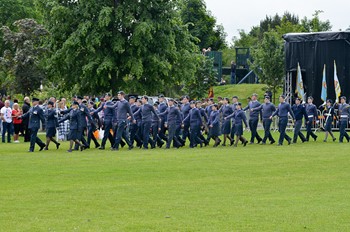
(88, 46)
(144, 47)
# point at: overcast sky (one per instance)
(235, 15)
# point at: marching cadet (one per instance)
(226, 110)
(84, 117)
(173, 115)
(267, 109)
(344, 110)
(108, 115)
(208, 112)
(115, 125)
(311, 111)
(122, 108)
(185, 109)
(329, 115)
(233, 106)
(135, 128)
(179, 125)
(74, 132)
(156, 128)
(162, 107)
(51, 124)
(194, 118)
(299, 112)
(253, 118)
(282, 112)
(214, 125)
(92, 127)
(240, 118)
(35, 115)
(146, 111)
(204, 121)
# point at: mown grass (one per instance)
(301, 187)
(243, 91)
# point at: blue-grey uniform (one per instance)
(146, 111)
(185, 109)
(122, 111)
(135, 128)
(178, 128)
(329, 114)
(208, 111)
(311, 112)
(195, 119)
(204, 120)
(51, 122)
(173, 116)
(344, 111)
(233, 106)
(240, 118)
(204, 115)
(92, 127)
(74, 121)
(108, 113)
(226, 110)
(253, 120)
(214, 121)
(35, 115)
(299, 112)
(282, 112)
(84, 118)
(162, 107)
(267, 109)
(156, 127)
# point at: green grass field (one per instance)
(243, 91)
(301, 187)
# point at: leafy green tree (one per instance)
(13, 10)
(138, 46)
(315, 24)
(247, 40)
(269, 61)
(205, 77)
(287, 26)
(22, 62)
(202, 25)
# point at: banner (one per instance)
(300, 85)
(336, 84)
(324, 86)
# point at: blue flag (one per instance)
(324, 86)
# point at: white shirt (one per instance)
(7, 113)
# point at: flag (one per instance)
(336, 84)
(300, 86)
(211, 93)
(324, 86)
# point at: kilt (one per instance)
(226, 127)
(239, 129)
(328, 126)
(50, 132)
(74, 134)
(215, 130)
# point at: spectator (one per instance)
(6, 117)
(233, 73)
(1, 105)
(17, 123)
(11, 102)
